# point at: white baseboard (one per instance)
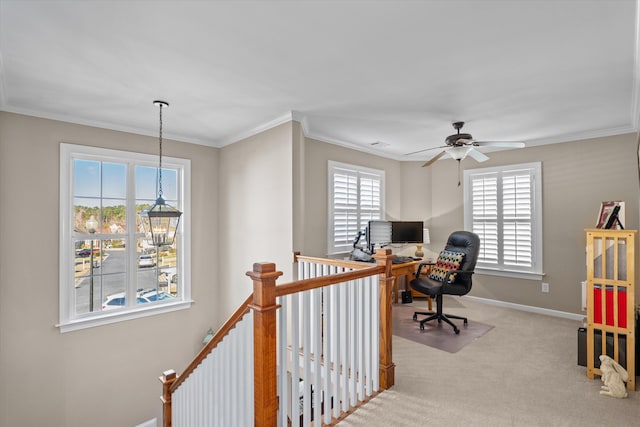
(529, 308)
(150, 423)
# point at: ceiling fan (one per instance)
(461, 145)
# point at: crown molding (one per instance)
(577, 136)
(284, 118)
(103, 125)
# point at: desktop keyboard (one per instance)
(402, 259)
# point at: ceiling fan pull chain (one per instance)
(458, 172)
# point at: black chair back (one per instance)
(469, 244)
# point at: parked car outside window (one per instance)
(143, 296)
(146, 261)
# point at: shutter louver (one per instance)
(517, 219)
(485, 216)
(345, 207)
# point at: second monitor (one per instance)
(381, 233)
(407, 231)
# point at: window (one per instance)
(115, 273)
(503, 205)
(356, 195)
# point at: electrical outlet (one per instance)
(545, 287)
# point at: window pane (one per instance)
(114, 180)
(170, 185)
(86, 178)
(113, 291)
(146, 182)
(83, 209)
(168, 278)
(86, 278)
(115, 256)
(104, 279)
(114, 216)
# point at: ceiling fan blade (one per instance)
(434, 158)
(506, 144)
(477, 156)
(426, 149)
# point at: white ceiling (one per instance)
(352, 72)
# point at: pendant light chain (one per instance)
(160, 164)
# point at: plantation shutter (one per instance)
(502, 206)
(356, 197)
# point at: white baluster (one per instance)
(283, 389)
(295, 360)
(375, 333)
(367, 334)
(327, 351)
(306, 357)
(317, 378)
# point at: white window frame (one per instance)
(69, 321)
(534, 169)
(357, 171)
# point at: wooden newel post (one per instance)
(167, 379)
(387, 367)
(264, 308)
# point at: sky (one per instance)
(94, 180)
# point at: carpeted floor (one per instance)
(440, 336)
(524, 372)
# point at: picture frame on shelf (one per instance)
(611, 215)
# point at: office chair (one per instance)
(451, 275)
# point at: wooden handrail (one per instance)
(337, 262)
(217, 338)
(319, 282)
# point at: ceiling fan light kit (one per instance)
(459, 152)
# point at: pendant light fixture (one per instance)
(161, 219)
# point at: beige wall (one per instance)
(576, 177)
(102, 376)
(256, 211)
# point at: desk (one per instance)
(408, 271)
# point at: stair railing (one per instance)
(313, 349)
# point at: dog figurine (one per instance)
(613, 377)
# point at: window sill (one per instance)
(510, 273)
(121, 316)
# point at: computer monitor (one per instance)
(378, 234)
(407, 231)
